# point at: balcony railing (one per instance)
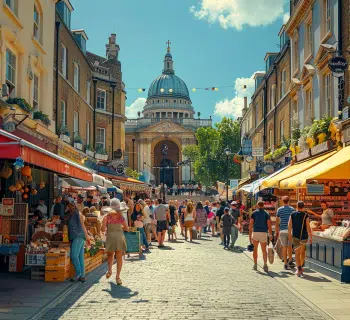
(136, 124)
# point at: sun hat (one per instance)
(123, 206)
(115, 204)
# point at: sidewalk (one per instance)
(326, 293)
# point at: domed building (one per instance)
(167, 122)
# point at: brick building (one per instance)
(89, 97)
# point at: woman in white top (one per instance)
(146, 212)
(190, 215)
(327, 215)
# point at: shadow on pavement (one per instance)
(166, 248)
(204, 239)
(120, 292)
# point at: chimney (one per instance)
(245, 107)
(112, 49)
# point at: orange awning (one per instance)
(12, 147)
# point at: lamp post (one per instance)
(228, 153)
(164, 153)
(133, 153)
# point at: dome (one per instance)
(168, 82)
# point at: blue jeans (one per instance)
(77, 256)
(143, 237)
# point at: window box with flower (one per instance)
(101, 154)
(78, 143)
(90, 150)
(64, 134)
(42, 118)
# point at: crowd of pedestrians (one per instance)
(155, 219)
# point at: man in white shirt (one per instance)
(175, 189)
(42, 207)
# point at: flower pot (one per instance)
(65, 138)
(101, 156)
(90, 153)
(41, 123)
(78, 145)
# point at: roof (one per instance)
(82, 32)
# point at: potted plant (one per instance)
(22, 103)
(78, 143)
(41, 118)
(101, 154)
(64, 134)
(280, 152)
(90, 150)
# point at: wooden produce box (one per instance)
(57, 259)
(56, 273)
(37, 273)
(91, 263)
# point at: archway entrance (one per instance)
(168, 162)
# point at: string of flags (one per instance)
(193, 89)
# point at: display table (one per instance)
(326, 256)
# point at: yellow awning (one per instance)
(336, 167)
(293, 170)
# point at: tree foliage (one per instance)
(209, 155)
(132, 173)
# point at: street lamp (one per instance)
(133, 153)
(228, 153)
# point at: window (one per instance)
(63, 113)
(271, 138)
(283, 82)
(64, 61)
(101, 99)
(12, 4)
(36, 92)
(328, 94)
(309, 111)
(309, 39)
(76, 76)
(273, 97)
(168, 65)
(88, 91)
(65, 12)
(11, 72)
(281, 130)
(328, 15)
(87, 133)
(100, 138)
(36, 26)
(76, 123)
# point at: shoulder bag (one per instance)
(298, 242)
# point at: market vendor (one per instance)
(36, 220)
(58, 208)
(327, 215)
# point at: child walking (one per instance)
(139, 225)
(226, 222)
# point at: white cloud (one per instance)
(237, 13)
(137, 105)
(233, 108)
(286, 17)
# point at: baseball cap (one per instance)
(233, 203)
(71, 200)
(227, 209)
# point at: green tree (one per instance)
(209, 154)
(132, 173)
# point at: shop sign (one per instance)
(315, 189)
(322, 147)
(8, 207)
(117, 166)
(258, 152)
(247, 146)
(269, 168)
(70, 153)
(338, 65)
(233, 183)
(303, 155)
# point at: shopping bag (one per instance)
(278, 248)
(271, 253)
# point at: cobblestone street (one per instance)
(183, 281)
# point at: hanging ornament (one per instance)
(19, 163)
(216, 89)
(194, 89)
(161, 90)
(26, 171)
(171, 90)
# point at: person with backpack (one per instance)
(299, 233)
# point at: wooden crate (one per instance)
(56, 275)
(37, 273)
(55, 259)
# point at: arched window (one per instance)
(168, 65)
(37, 23)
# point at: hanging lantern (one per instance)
(171, 90)
(216, 89)
(19, 163)
(194, 89)
(139, 90)
(161, 90)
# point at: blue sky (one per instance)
(214, 43)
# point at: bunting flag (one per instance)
(194, 89)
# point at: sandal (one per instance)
(119, 282)
(108, 274)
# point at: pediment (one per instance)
(308, 71)
(166, 127)
(322, 57)
(294, 85)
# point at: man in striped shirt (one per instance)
(283, 215)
